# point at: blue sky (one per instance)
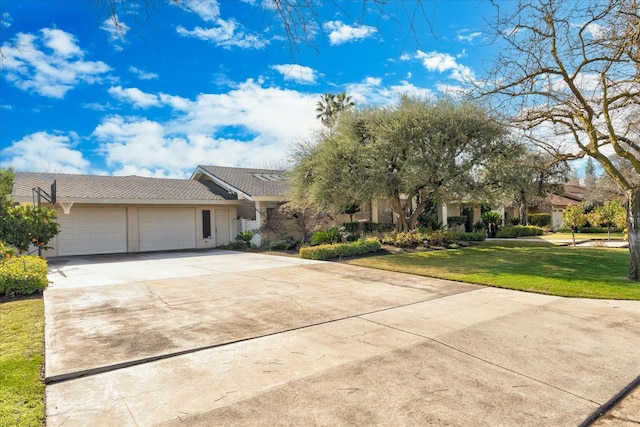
(209, 82)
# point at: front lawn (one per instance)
(526, 266)
(21, 356)
(581, 236)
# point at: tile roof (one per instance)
(112, 187)
(253, 182)
(570, 194)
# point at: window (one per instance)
(206, 224)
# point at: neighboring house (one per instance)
(556, 203)
(115, 214)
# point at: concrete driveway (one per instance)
(224, 338)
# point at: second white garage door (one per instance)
(167, 228)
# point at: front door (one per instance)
(222, 227)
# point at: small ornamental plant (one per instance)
(574, 217)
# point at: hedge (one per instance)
(519, 231)
(22, 275)
(322, 252)
(369, 227)
(470, 236)
(540, 219)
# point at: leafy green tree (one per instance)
(351, 209)
(22, 226)
(611, 214)
(590, 177)
(573, 216)
(412, 153)
(523, 176)
(567, 74)
(6, 187)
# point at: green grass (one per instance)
(526, 266)
(21, 358)
(581, 236)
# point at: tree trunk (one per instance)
(633, 233)
(523, 209)
(401, 211)
(413, 219)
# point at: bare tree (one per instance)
(569, 72)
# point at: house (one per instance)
(115, 214)
(118, 214)
(556, 203)
(257, 191)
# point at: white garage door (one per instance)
(167, 228)
(93, 230)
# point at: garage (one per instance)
(166, 228)
(92, 230)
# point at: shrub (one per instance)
(322, 252)
(455, 221)
(479, 226)
(440, 238)
(331, 235)
(25, 226)
(405, 239)
(514, 221)
(540, 219)
(234, 246)
(519, 231)
(282, 245)
(22, 275)
(369, 227)
(469, 237)
(246, 237)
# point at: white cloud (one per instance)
(42, 151)
(468, 35)
(6, 20)
(143, 75)
(116, 29)
(207, 10)
(61, 43)
(442, 62)
(272, 113)
(295, 72)
(371, 91)
(49, 65)
(140, 99)
(339, 32)
(597, 32)
(135, 96)
(251, 125)
(224, 33)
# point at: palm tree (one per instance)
(330, 106)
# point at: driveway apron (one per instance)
(223, 338)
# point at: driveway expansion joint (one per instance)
(485, 361)
(56, 379)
